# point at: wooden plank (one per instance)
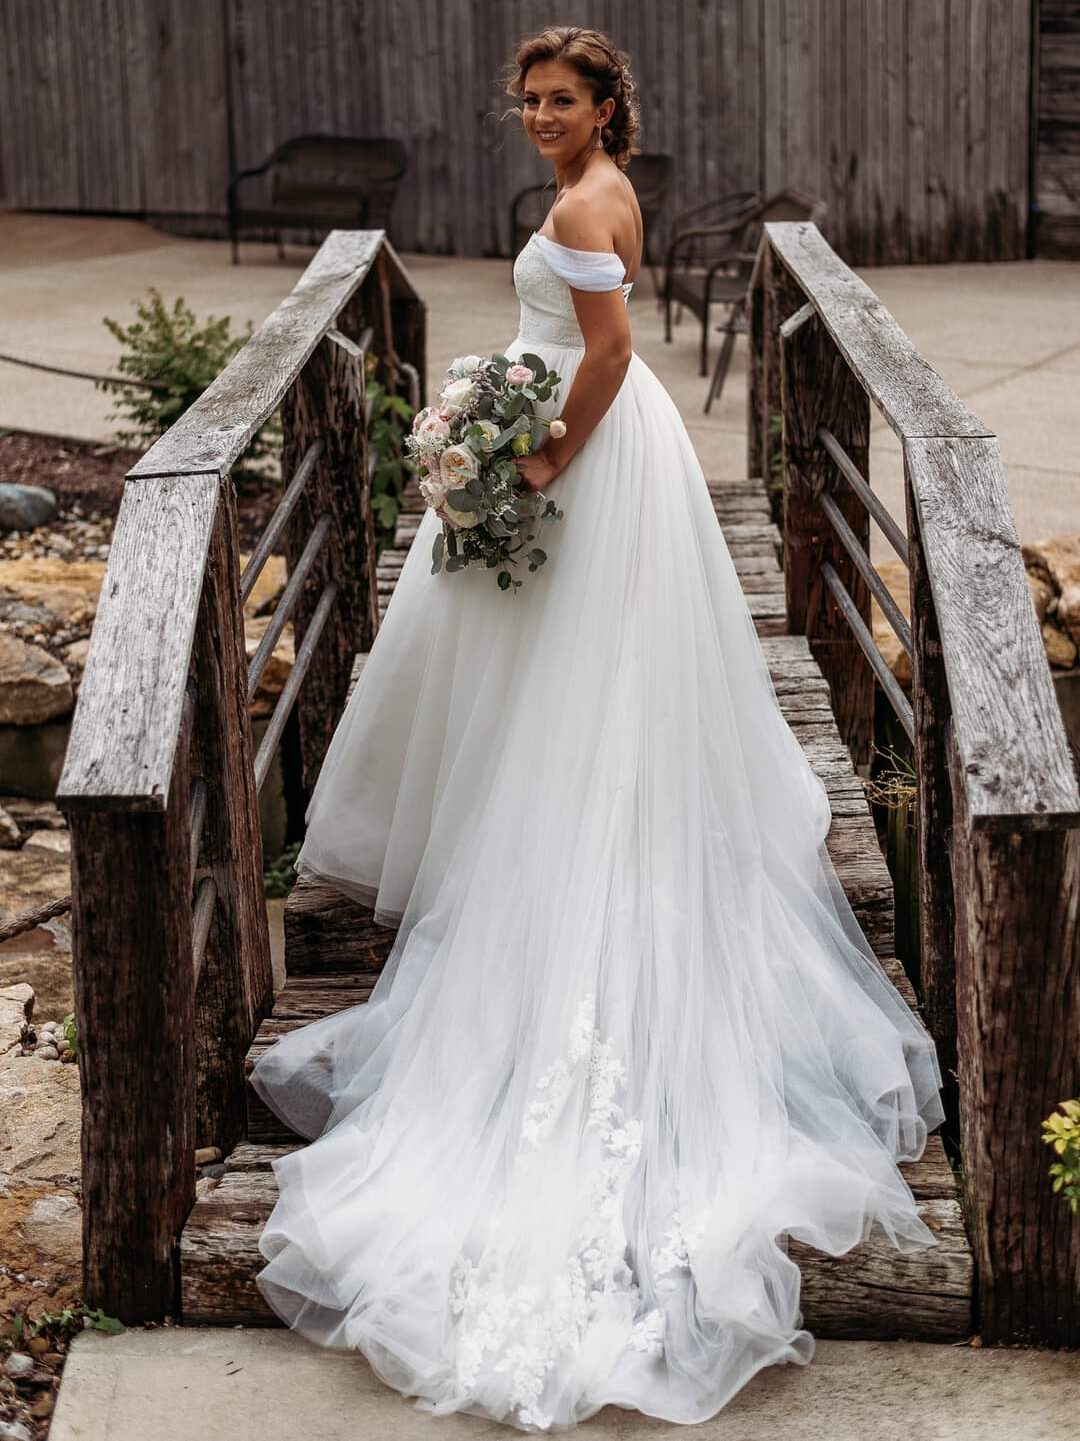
(1018, 1016)
(134, 998)
(909, 393)
(121, 755)
(1010, 737)
(870, 1291)
(213, 433)
(326, 933)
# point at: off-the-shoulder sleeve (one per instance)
(583, 269)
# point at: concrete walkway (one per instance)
(1006, 338)
(236, 1385)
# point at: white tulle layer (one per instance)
(630, 1035)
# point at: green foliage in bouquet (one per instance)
(177, 359)
(1061, 1131)
(390, 417)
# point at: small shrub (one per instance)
(1061, 1131)
(178, 359)
(71, 1032)
(60, 1323)
(279, 876)
(390, 417)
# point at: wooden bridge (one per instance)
(160, 783)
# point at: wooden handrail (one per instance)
(161, 778)
(997, 796)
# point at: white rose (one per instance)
(460, 519)
(457, 396)
(557, 429)
(433, 488)
(489, 431)
(457, 465)
(470, 364)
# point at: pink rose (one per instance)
(519, 375)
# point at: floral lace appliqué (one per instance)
(521, 1330)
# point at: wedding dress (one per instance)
(630, 1035)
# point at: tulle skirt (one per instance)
(630, 1035)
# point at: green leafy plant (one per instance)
(71, 1032)
(774, 478)
(279, 876)
(1061, 1131)
(60, 1323)
(391, 415)
(176, 358)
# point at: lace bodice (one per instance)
(543, 273)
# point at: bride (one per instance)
(630, 1036)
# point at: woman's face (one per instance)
(559, 112)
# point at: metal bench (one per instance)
(318, 183)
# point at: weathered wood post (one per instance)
(235, 983)
(1015, 859)
(126, 789)
(931, 712)
(326, 403)
(818, 388)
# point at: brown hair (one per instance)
(597, 61)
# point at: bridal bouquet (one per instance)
(464, 448)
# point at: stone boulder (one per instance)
(33, 686)
(24, 507)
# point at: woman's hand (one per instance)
(537, 470)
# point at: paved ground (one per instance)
(233, 1385)
(1006, 337)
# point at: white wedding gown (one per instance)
(630, 1034)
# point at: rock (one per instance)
(42, 956)
(48, 1053)
(1060, 648)
(10, 835)
(1055, 559)
(33, 686)
(214, 1171)
(14, 1431)
(59, 842)
(205, 1154)
(894, 574)
(66, 591)
(268, 587)
(43, 1406)
(24, 507)
(16, 1008)
(18, 1366)
(1068, 611)
(1042, 593)
(34, 815)
(75, 653)
(278, 667)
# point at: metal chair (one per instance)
(320, 183)
(701, 257)
(784, 205)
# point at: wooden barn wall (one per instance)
(910, 117)
(1057, 156)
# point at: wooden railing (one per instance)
(160, 782)
(998, 804)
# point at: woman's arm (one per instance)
(605, 326)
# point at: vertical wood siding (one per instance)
(1057, 155)
(912, 118)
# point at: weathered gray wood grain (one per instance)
(1009, 732)
(910, 394)
(124, 731)
(213, 433)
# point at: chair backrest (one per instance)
(781, 205)
(309, 171)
